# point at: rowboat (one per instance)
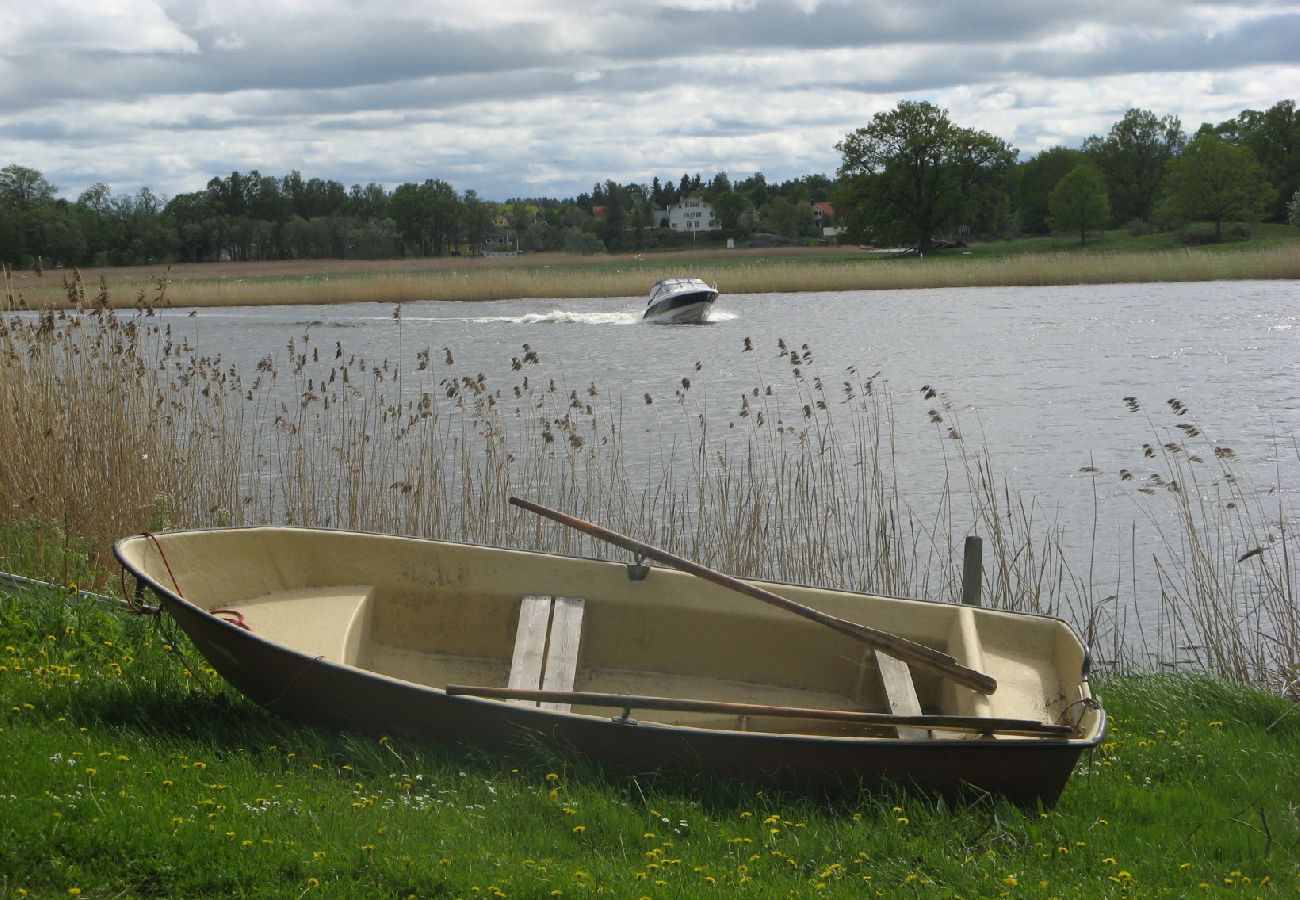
(637, 666)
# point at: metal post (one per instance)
(972, 572)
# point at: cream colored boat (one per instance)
(642, 667)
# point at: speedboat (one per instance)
(679, 301)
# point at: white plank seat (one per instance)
(546, 646)
(900, 693)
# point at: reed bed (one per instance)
(115, 426)
(558, 276)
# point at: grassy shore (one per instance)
(132, 770)
(1113, 257)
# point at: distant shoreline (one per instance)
(558, 276)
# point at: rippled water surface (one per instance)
(1041, 371)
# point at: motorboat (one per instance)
(680, 301)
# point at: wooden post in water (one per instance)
(972, 571)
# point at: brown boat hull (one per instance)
(321, 693)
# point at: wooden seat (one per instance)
(546, 646)
(900, 693)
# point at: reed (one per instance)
(557, 276)
(115, 426)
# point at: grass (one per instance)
(134, 771)
(1274, 252)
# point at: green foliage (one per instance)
(132, 771)
(1273, 135)
(912, 173)
(1293, 209)
(1034, 180)
(1132, 159)
(1079, 203)
(583, 242)
(1215, 180)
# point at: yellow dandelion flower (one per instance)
(1010, 881)
(313, 882)
(74, 892)
(579, 829)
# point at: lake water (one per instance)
(1038, 376)
(1042, 372)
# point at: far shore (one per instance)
(554, 276)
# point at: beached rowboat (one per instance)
(640, 667)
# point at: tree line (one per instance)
(910, 176)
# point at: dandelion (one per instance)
(579, 829)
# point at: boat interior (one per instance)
(439, 614)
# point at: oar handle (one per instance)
(968, 724)
(892, 644)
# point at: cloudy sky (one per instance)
(547, 97)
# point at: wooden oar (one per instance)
(968, 724)
(899, 647)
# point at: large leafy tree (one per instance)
(1133, 159)
(1216, 180)
(1078, 202)
(1035, 179)
(912, 172)
(1273, 135)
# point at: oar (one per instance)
(968, 724)
(896, 646)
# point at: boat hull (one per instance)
(310, 687)
(684, 309)
(679, 301)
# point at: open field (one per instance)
(1114, 257)
(134, 771)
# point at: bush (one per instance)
(1195, 235)
(1139, 227)
(1293, 210)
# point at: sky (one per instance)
(545, 98)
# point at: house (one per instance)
(690, 215)
(502, 240)
(823, 212)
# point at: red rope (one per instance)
(150, 536)
(233, 616)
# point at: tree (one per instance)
(24, 188)
(1133, 159)
(1274, 137)
(1293, 209)
(912, 172)
(428, 215)
(1215, 180)
(1034, 179)
(1079, 202)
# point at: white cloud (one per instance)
(554, 95)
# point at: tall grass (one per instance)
(115, 426)
(737, 272)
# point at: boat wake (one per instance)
(561, 317)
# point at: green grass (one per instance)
(132, 770)
(1118, 240)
